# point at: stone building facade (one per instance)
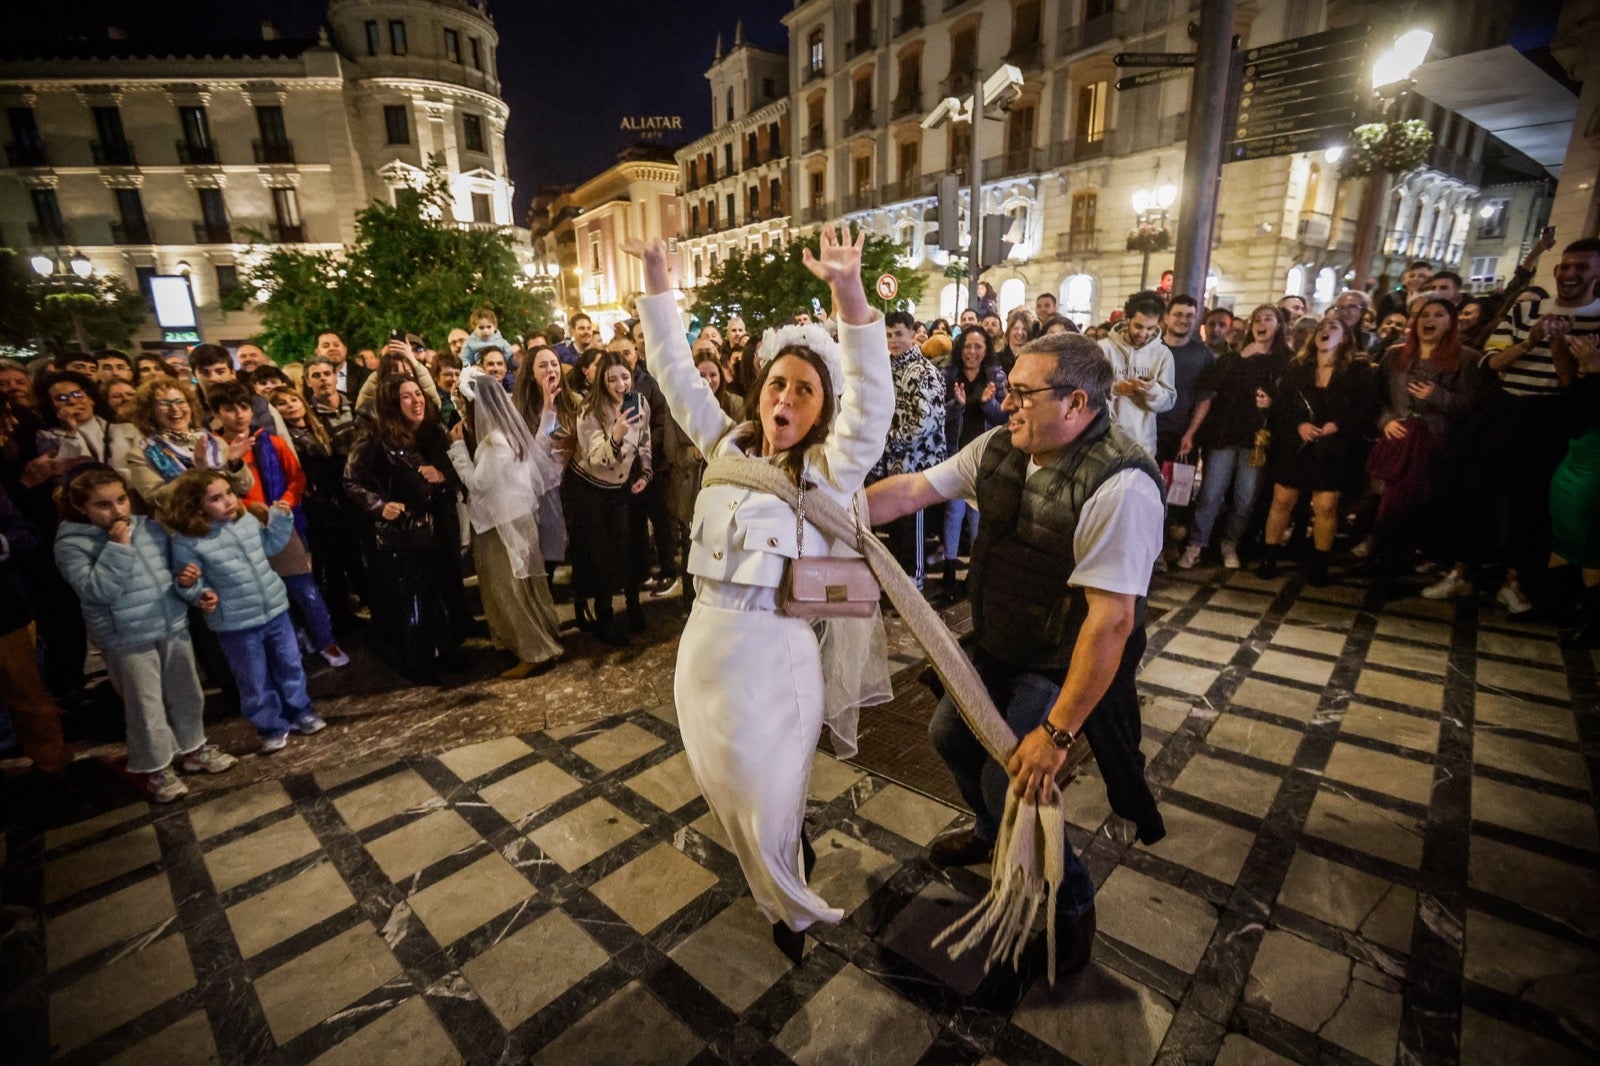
(162, 158)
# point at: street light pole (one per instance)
(975, 175)
(1202, 158)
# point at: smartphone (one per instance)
(397, 335)
(630, 403)
(1549, 233)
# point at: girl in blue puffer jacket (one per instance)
(251, 618)
(118, 563)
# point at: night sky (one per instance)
(569, 70)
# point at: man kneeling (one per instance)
(1072, 516)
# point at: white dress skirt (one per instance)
(749, 694)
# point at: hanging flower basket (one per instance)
(1149, 237)
(1392, 147)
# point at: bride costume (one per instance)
(752, 686)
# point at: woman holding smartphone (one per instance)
(610, 467)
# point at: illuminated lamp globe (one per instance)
(1166, 195)
(1141, 201)
(42, 265)
(81, 266)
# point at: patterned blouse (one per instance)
(916, 436)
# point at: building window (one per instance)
(1092, 113)
(1294, 284)
(711, 214)
(286, 207)
(130, 209)
(594, 255)
(910, 160)
(452, 46)
(212, 208)
(1494, 227)
(729, 110)
(775, 191)
(773, 140)
(1077, 299)
(482, 207)
(694, 219)
(144, 275)
(196, 127)
(477, 53)
(373, 37)
(960, 147)
(769, 88)
(472, 132)
(861, 174)
(269, 123)
(751, 148)
(1484, 270)
(108, 127)
(25, 132)
(729, 201)
(47, 211)
(818, 184)
(697, 268)
(814, 51)
(1084, 207)
(397, 37)
(396, 125)
(694, 173)
(227, 279)
(755, 201)
(727, 158)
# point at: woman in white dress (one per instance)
(750, 681)
(506, 475)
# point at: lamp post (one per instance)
(1391, 78)
(71, 275)
(1151, 206)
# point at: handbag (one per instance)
(826, 586)
(1180, 482)
(412, 530)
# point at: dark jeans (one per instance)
(655, 504)
(1025, 700)
(59, 618)
(603, 543)
(335, 557)
(272, 682)
(1538, 432)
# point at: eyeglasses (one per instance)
(1023, 395)
(68, 397)
(172, 403)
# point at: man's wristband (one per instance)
(1061, 738)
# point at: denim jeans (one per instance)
(1225, 467)
(1025, 701)
(957, 513)
(272, 683)
(306, 596)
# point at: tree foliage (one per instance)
(765, 288)
(412, 267)
(39, 312)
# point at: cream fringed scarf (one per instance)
(1029, 860)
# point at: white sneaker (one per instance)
(164, 786)
(1452, 584)
(272, 744)
(334, 655)
(1511, 598)
(1364, 549)
(1230, 555)
(1190, 556)
(208, 758)
(668, 589)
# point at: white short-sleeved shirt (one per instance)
(1119, 529)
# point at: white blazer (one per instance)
(746, 537)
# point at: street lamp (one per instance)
(1151, 206)
(1391, 78)
(69, 275)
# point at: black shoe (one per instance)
(960, 849)
(789, 942)
(581, 616)
(1319, 569)
(1268, 567)
(635, 614)
(808, 855)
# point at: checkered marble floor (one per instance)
(1382, 845)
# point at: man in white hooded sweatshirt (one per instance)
(1143, 383)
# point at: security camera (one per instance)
(949, 110)
(1003, 88)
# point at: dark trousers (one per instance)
(335, 558)
(602, 523)
(59, 619)
(1537, 434)
(655, 506)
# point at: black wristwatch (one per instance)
(1061, 738)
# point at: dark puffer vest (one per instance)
(1023, 611)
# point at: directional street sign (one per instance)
(888, 286)
(1296, 95)
(1154, 59)
(1151, 77)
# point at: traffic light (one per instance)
(949, 211)
(996, 243)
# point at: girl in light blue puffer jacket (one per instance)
(213, 531)
(119, 565)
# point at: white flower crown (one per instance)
(814, 337)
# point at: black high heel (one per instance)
(580, 614)
(791, 943)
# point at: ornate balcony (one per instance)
(113, 154)
(212, 232)
(43, 233)
(282, 234)
(1021, 161)
(273, 153)
(909, 102)
(131, 233)
(197, 155)
(27, 154)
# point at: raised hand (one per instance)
(840, 260)
(234, 451)
(657, 278)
